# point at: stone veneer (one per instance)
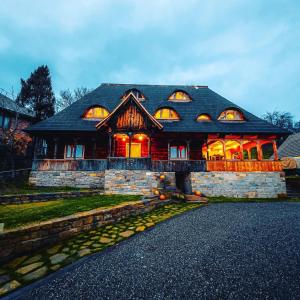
(24, 240)
(239, 184)
(81, 179)
(229, 184)
(134, 182)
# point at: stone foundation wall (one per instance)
(134, 182)
(25, 240)
(239, 184)
(81, 179)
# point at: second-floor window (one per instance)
(74, 151)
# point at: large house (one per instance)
(122, 137)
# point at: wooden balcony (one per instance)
(124, 163)
(244, 166)
(69, 165)
(178, 165)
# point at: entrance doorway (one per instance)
(135, 150)
(183, 182)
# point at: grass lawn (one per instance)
(22, 188)
(15, 215)
(228, 199)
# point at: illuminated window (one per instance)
(97, 112)
(203, 118)
(178, 152)
(74, 151)
(166, 114)
(231, 115)
(180, 96)
(139, 95)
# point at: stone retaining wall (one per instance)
(21, 241)
(82, 179)
(28, 198)
(134, 182)
(240, 184)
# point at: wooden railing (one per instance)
(121, 163)
(244, 166)
(178, 165)
(124, 163)
(69, 165)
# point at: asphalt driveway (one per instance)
(227, 251)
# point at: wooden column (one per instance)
(188, 149)
(94, 148)
(249, 153)
(168, 150)
(35, 148)
(275, 150)
(55, 148)
(109, 144)
(259, 151)
(242, 150)
(149, 147)
(224, 149)
(129, 148)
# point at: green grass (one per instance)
(22, 188)
(244, 200)
(15, 215)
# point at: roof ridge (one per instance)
(147, 84)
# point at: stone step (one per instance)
(196, 199)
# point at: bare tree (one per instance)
(280, 119)
(67, 97)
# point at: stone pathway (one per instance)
(26, 269)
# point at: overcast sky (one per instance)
(248, 51)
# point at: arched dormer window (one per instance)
(138, 94)
(231, 115)
(96, 113)
(180, 96)
(166, 114)
(204, 118)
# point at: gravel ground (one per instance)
(225, 251)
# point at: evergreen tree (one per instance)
(36, 93)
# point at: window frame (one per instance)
(173, 98)
(5, 117)
(235, 111)
(92, 108)
(171, 110)
(73, 148)
(178, 152)
(204, 120)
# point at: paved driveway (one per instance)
(228, 251)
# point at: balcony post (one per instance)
(149, 146)
(188, 149)
(259, 151)
(242, 150)
(55, 148)
(275, 150)
(94, 148)
(109, 144)
(224, 149)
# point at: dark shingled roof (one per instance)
(204, 100)
(10, 105)
(290, 147)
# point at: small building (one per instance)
(14, 119)
(122, 137)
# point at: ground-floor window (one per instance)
(74, 151)
(178, 152)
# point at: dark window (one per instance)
(4, 121)
(74, 151)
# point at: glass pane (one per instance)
(165, 113)
(253, 153)
(182, 151)
(69, 151)
(173, 152)
(6, 122)
(97, 112)
(79, 151)
(1, 120)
